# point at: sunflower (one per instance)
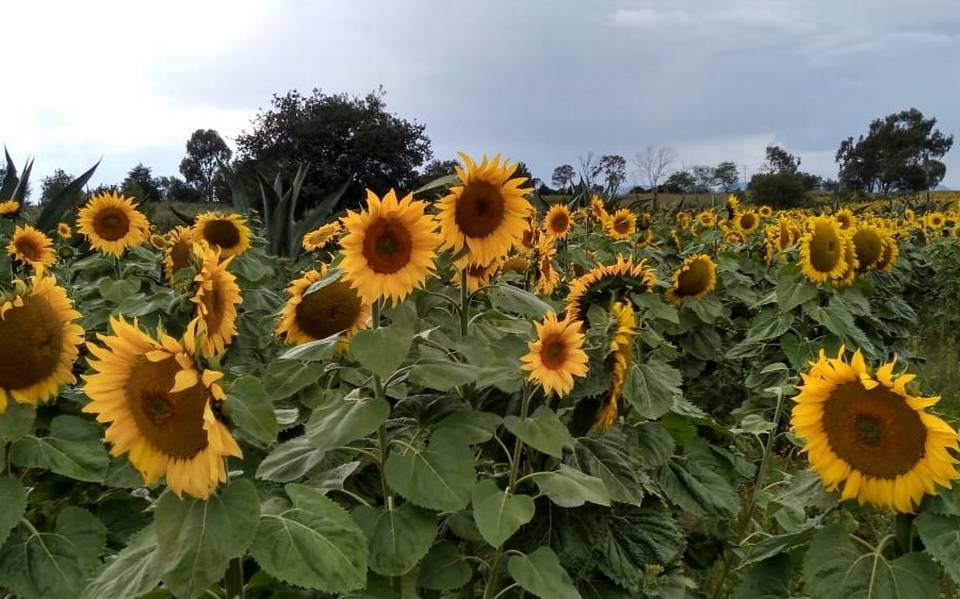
(517, 264)
(487, 212)
(823, 250)
(216, 298)
(558, 221)
(868, 242)
(388, 250)
(621, 355)
(64, 231)
(31, 247)
(557, 355)
(528, 240)
(868, 432)
(707, 219)
(621, 224)
(935, 220)
(849, 276)
(695, 278)
(845, 219)
(683, 220)
(112, 223)
(333, 307)
(316, 239)
(733, 206)
(598, 209)
(9, 208)
(160, 407)
(229, 232)
(765, 211)
(179, 252)
(645, 239)
(890, 253)
(548, 276)
(606, 282)
(478, 275)
(40, 342)
(746, 222)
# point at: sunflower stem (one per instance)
(233, 581)
(903, 528)
(382, 440)
(116, 268)
(464, 303)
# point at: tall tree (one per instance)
(726, 176)
(781, 183)
(780, 161)
(613, 168)
(205, 151)
(141, 185)
(703, 175)
(653, 165)
(563, 177)
(680, 182)
(900, 152)
(338, 137)
(53, 184)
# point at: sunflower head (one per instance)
(733, 206)
(228, 232)
(388, 250)
(683, 220)
(64, 231)
(9, 208)
(558, 220)
(598, 208)
(486, 213)
(845, 219)
(891, 250)
(823, 250)
(707, 219)
(316, 239)
(765, 211)
(111, 223)
(935, 220)
(868, 432)
(31, 247)
(478, 275)
(556, 356)
(868, 243)
(695, 278)
(746, 222)
(621, 224)
(215, 298)
(179, 253)
(322, 304)
(40, 342)
(605, 283)
(620, 357)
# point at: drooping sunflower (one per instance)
(316, 239)
(891, 250)
(40, 342)
(683, 220)
(849, 276)
(111, 223)
(557, 355)
(528, 239)
(620, 356)
(215, 298)
(334, 307)
(179, 252)
(388, 250)
(9, 208)
(621, 224)
(868, 242)
(31, 247)
(695, 278)
(160, 407)
(823, 250)
(547, 275)
(229, 232)
(64, 231)
(869, 433)
(607, 282)
(558, 220)
(746, 222)
(846, 219)
(486, 212)
(598, 208)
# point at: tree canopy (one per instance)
(205, 151)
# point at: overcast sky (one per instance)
(543, 81)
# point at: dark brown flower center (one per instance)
(328, 310)
(553, 352)
(695, 279)
(31, 343)
(621, 224)
(28, 249)
(387, 246)
(221, 233)
(480, 209)
(559, 222)
(111, 223)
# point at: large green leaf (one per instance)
(543, 431)
(251, 409)
(313, 351)
(470, 426)
(313, 544)
(444, 568)
(287, 377)
(397, 539)
(57, 207)
(614, 464)
(517, 301)
(499, 514)
(568, 487)
(635, 539)
(836, 569)
(769, 579)
(13, 498)
(438, 477)
(290, 460)
(17, 421)
(651, 388)
(132, 573)
(699, 487)
(541, 574)
(382, 350)
(338, 422)
(73, 449)
(941, 538)
(196, 539)
(442, 375)
(793, 289)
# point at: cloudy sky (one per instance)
(543, 81)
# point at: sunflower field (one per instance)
(468, 393)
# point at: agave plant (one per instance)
(14, 187)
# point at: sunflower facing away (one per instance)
(558, 221)
(823, 250)
(621, 224)
(333, 308)
(316, 239)
(216, 299)
(486, 212)
(40, 342)
(9, 208)
(229, 232)
(621, 355)
(547, 275)
(869, 433)
(160, 409)
(388, 250)
(695, 278)
(111, 223)
(557, 355)
(31, 247)
(178, 253)
(606, 282)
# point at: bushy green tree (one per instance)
(53, 184)
(206, 150)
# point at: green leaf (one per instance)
(655, 444)
(132, 573)
(541, 574)
(72, 449)
(338, 422)
(17, 421)
(768, 324)
(836, 569)
(657, 307)
(444, 568)
(334, 478)
(381, 351)
(769, 579)
(471, 427)
(289, 461)
(543, 431)
(651, 388)
(251, 409)
(635, 539)
(699, 488)
(612, 463)
(196, 539)
(397, 539)
(438, 477)
(835, 318)
(314, 544)
(941, 538)
(508, 298)
(568, 487)
(442, 375)
(498, 514)
(286, 377)
(54, 564)
(313, 351)
(793, 289)
(13, 498)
